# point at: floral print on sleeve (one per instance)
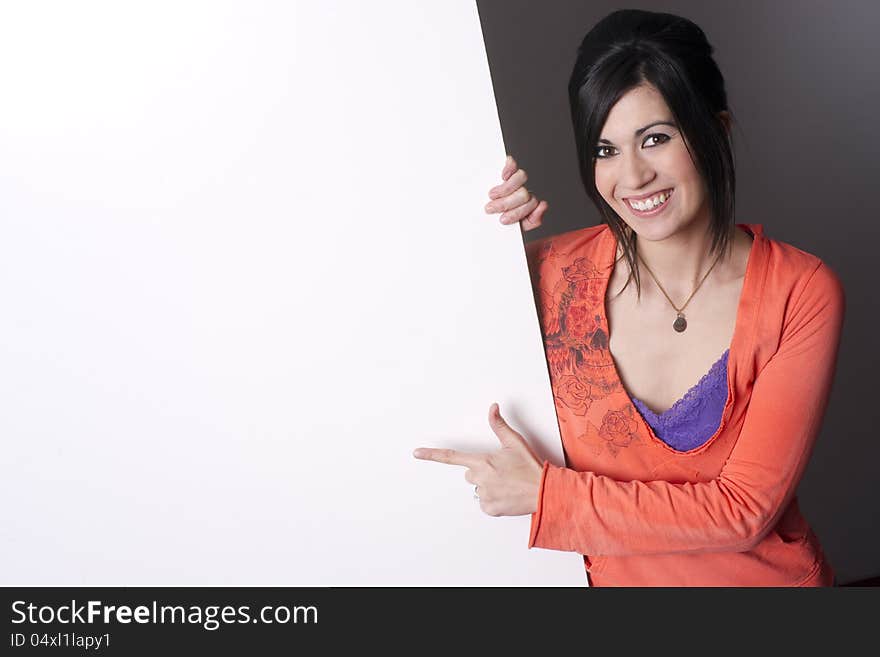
(570, 300)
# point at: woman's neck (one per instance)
(680, 261)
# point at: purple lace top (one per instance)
(693, 419)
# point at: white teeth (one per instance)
(650, 203)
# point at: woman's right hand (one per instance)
(513, 200)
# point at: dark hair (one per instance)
(629, 48)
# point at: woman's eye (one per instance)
(652, 140)
(657, 135)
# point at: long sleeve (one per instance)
(593, 514)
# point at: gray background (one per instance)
(804, 91)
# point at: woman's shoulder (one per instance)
(800, 271)
(799, 293)
(584, 242)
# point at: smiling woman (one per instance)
(660, 161)
(688, 405)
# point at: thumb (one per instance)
(506, 435)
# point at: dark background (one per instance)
(804, 90)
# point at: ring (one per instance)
(476, 497)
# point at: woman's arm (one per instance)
(592, 514)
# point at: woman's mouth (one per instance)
(649, 207)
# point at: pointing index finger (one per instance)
(448, 456)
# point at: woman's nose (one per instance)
(636, 173)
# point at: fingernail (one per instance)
(490, 208)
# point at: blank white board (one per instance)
(245, 271)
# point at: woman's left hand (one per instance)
(513, 199)
(507, 480)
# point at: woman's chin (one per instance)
(657, 231)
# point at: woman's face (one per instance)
(641, 157)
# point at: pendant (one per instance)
(680, 323)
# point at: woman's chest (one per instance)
(657, 364)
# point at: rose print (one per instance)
(576, 345)
(580, 322)
(618, 428)
(574, 394)
(581, 269)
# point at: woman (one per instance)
(689, 401)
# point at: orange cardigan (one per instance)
(725, 513)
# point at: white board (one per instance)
(244, 271)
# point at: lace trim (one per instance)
(694, 418)
(692, 399)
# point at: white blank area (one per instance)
(244, 272)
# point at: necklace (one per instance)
(680, 323)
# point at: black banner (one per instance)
(243, 620)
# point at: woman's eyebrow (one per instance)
(641, 130)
